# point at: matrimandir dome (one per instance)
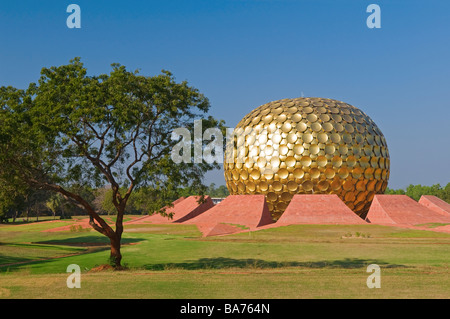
(307, 146)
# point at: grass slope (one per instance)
(174, 261)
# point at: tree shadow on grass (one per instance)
(7, 260)
(224, 263)
(80, 245)
(88, 241)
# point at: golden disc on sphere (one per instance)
(322, 137)
(308, 145)
(323, 186)
(263, 186)
(307, 185)
(321, 161)
(291, 138)
(284, 149)
(314, 173)
(335, 138)
(298, 173)
(292, 186)
(286, 127)
(311, 117)
(314, 149)
(327, 127)
(307, 138)
(316, 127)
(330, 149)
(283, 173)
(330, 173)
(307, 110)
(298, 149)
(301, 127)
(296, 117)
(305, 161)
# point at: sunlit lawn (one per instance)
(174, 261)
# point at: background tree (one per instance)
(416, 191)
(391, 191)
(55, 203)
(113, 129)
(221, 191)
(7, 201)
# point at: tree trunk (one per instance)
(99, 224)
(115, 257)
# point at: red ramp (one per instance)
(235, 213)
(402, 210)
(183, 209)
(436, 204)
(318, 209)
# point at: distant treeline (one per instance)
(43, 203)
(416, 191)
(33, 204)
(212, 191)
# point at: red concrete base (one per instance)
(244, 211)
(318, 209)
(436, 204)
(218, 229)
(401, 210)
(183, 209)
(442, 229)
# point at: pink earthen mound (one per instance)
(235, 213)
(442, 229)
(436, 204)
(318, 209)
(401, 209)
(219, 229)
(178, 200)
(183, 209)
(145, 219)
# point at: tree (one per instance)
(54, 203)
(14, 197)
(6, 200)
(391, 191)
(220, 191)
(113, 129)
(446, 193)
(416, 191)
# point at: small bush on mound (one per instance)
(78, 229)
(107, 268)
(102, 268)
(357, 235)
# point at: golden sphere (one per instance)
(307, 146)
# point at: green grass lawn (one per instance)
(174, 261)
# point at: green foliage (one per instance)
(416, 191)
(221, 191)
(390, 191)
(71, 133)
(78, 229)
(72, 129)
(212, 191)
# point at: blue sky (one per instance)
(244, 53)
